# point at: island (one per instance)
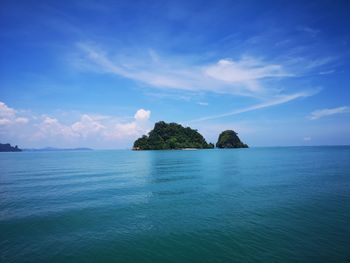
(229, 139)
(6, 147)
(171, 136)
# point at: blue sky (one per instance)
(101, 73)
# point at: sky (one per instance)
(99, 74)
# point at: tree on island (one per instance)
(229, 139)
(167, 136)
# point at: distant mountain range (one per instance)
(6, 147)
(53, 149)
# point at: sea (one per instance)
(277, 204)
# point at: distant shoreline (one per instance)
(52, 149)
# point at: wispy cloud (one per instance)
(311, 31)
(317, 114)
(247, 76)
(246, 73)
(305, 65)
(327, 72)
(269, 103)
(316, 63)
(226, 76)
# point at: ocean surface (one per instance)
(288, 204)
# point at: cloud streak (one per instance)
(269, 103)
(317, 114)
(246, 72)
(237, 77)
(247, 76)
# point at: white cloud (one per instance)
(142, 115)
(139, 126)
(52, 127)
(5, 121)
(126, 129)
(123, 130)
(21, 120)
(238, 77)
(269, 103)
(9, 116)
(246, 72)
(95, 126)
(6, 112)
(317, 114)
(86, 130)
(87, 125)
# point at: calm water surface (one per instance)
(243, 205)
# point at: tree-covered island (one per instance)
(229, 139)
(166, 136)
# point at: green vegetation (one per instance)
(229, 139)
(6, 147)
(167, 136)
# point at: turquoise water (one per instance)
(242, 205)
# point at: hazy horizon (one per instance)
(130, 148)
